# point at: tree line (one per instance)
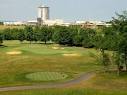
(71, 36)
(112, 38)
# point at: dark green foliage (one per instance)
(36, 34)
(45, 34)
(88, 36)
(1, 38)
(78, 40)
(78, 36)
(120, 21)
(63, 36)
(14, 33)
(10, 34)
(29, 33)
(120, 26)
(21, 35)
(1, 23)
(73, 36)
(103, 41)
(7, 34)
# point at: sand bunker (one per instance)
(74, 54)
(61, 48)
(56, 48)
(14, 53)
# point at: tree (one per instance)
(7, 34)
(77, 38)
(29, 33)
(45, 34)
(118, 59)
(88, 36)
(14, 33)
(1, 38)
(120, 26)
(21, 35)
(120, 21)
(1, 23)
(36, 33)
(63, 35)
(10, 34)
(104, 41)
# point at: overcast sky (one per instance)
(69, 10)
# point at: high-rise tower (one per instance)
(43, 14)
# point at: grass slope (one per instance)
(42, 58)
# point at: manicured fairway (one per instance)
(46, 76)
(18, 60)
(33, 64)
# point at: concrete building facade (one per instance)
(43, 14)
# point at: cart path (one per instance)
(83, 77)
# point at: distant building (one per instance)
(44, 19)
(13, 23)
(43, 14)
(53, 22)
(31, 22)
(92, 24)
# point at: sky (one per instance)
(68, 10)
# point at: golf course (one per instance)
(52, 69)
(63, 47)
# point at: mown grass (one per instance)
(46, 76)
(42, 58)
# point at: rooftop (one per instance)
(43, 6)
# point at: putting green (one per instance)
(46, 76)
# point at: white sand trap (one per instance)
(14, 53)
(62, 48)
(55, 47)
(72, 54)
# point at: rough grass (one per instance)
(110, 81)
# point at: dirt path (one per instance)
(78, 80)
